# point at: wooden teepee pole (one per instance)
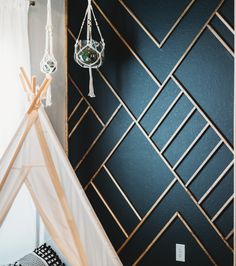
(33, 84)
(25, 78)
(60, 193)
(35, 101)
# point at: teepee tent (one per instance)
(35, 158)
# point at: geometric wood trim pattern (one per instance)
(154, 150)
(175, 216)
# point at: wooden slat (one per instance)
(33, 84)
(43, 87)
(27, 80)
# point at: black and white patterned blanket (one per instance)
(42, 256)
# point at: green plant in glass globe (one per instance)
(88, 55)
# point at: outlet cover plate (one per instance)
(180, 252)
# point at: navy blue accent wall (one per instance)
(154, 149)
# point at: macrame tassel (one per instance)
(89, 39)
(49, 94)
(91, 88)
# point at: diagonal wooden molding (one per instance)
(177, 215)
(136, 122)
(159, 44)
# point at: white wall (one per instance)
(37, 21)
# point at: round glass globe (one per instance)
(89, 54)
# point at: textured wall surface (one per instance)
(154, 150)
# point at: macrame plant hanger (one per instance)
(48, 65)
(89, 53)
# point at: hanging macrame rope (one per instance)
(48, 28)
(48, 64)
(90, 8)
(89, 53)
(48, 47)
(89, 39)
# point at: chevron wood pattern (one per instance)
(154, 151)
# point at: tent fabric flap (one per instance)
(36, 158)
(10, 190)
(52, 214)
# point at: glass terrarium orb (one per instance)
(48, 65)
(89, 54)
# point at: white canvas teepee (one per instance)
(35, 158)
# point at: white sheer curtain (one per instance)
(14, 52)
(17, 233)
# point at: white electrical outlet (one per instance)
(180, 252)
